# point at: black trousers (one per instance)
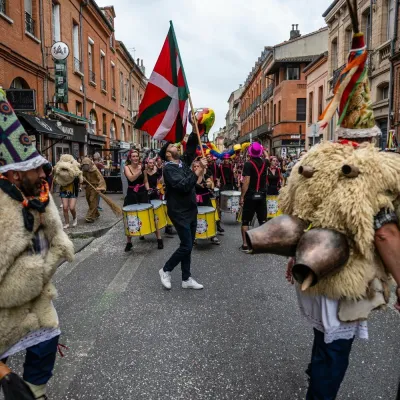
(183, 254)
(251, 207)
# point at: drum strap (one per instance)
(259, 173)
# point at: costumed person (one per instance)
(32, 243)
(274, 184)
(180, 182)
(98, 162)
(253, 190)
(212, 173)
(68, 175)
(226, 177)
(152, 177)
(95, 184)
(203, 192)
(137, 192)
(342, 205)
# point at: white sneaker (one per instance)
(66, 226)
(191, 284)
(75, 222)
(61, 205)
(165, 278)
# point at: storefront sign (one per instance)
(124, 145)
(61, 80)
(22, 99)
(294, 136)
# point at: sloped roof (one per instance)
(315, 61)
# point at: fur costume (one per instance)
(26, 291)
(66, 170)
(348, 205)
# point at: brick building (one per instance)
(286, 100)
(316, 75)
(394, 102)
(377, 19)
(233, 125)
(105, 84)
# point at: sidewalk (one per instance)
(98, 228)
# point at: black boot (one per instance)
(168, 230)
(219, 227)
(160, 244)
(128, 246)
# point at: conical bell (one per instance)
(319, 253)
(278, 236)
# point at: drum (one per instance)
(139, 219)
(230, 201)
(273, 207)
(216, 192)
(169, 222)
(206, 226)
(159, 213)
(214, 204)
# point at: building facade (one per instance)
(104, 85)
(233, 125)
(219, 139)
(378, 20)
(316, 75)
(286, 103)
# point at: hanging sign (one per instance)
(60, 51)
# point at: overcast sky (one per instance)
(219, 40)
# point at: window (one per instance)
(112, 41)
(390, 19)
(113, 80)
(112, 130)
(292, 73)
(122, 133)
(366, 27)
(19, 83)
(274, 113)
(127, 92)
(102, 71)
(334, 55)
(348, 39)
(132, 99)
(55, 20)
(92, 122)
(29, 21)
(121, 88)
(104, 124)
(279, 111)
(310, 107)
(383, 91)
(92, 76)
(320, 100)
(301, 110)
(3, 9)
(78, 108)
(75, 48)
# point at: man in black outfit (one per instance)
(254, 188)
(180, 184)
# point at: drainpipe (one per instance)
(392, 52)
(44, 56)
(83, 4)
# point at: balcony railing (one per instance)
(29, 24)
(92, 76)
(3, 6)
(384, 52)
(103, 85)
(268, 92)
(113, 93)
(336, 74)
(78, 66)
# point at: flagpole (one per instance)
(196, 127)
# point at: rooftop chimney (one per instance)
(138, 62)
(295, 33)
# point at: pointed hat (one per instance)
(352, 95)
(17, 153)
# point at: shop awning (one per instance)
(34, 124)
(67, 114)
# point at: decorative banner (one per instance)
(61, 81)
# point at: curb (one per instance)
(93, 233)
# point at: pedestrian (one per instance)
(98, 162)
(108, 165)
(253, 195)
(137, 192)
(203, 192)
(180, 182)
(32, 243)
(274, 184)
(95, 185)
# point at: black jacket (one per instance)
(180, 182)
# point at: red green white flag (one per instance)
(164, 109)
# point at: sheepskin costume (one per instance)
(66, 170)
(348, 205)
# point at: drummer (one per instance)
(137, 192)
(203, 192)
(152, 176)
(225, 175)
(212, 173)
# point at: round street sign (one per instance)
(60, 51)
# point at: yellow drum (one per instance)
(206, 226)
(159, 213)
(214, 204)
(273, 207)
(139, 219)
(169, 222)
